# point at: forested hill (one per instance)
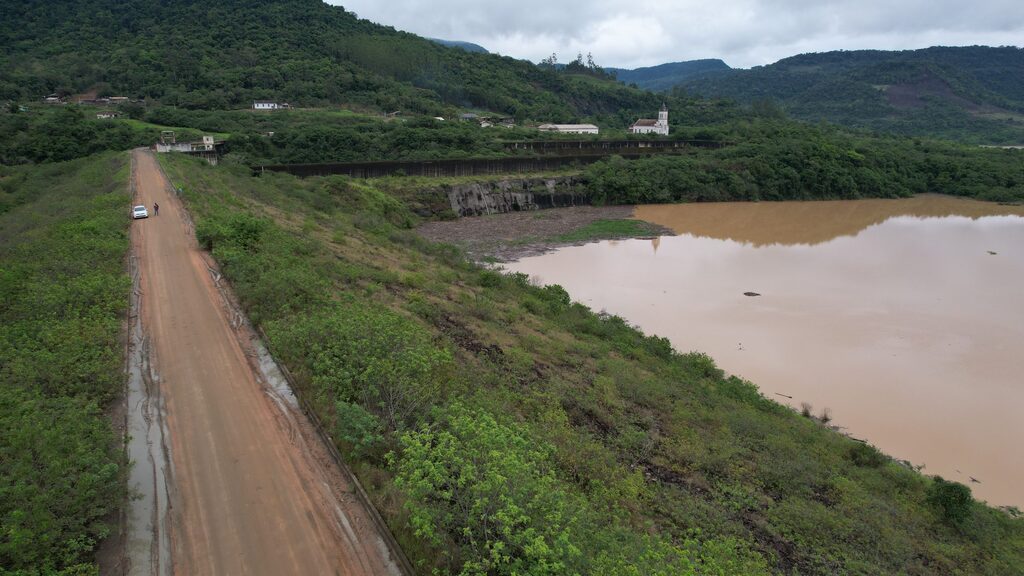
(217, 55)
(971, 93)
(665, 76)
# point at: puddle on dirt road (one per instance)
(148, 546)
(904, 317)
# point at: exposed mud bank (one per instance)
(510, 236)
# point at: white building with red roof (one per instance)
(649, 126)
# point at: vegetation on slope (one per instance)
(778, 160)
(973, 94)
(504, 429)
(59, 134)
(63, 296)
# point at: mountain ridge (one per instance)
(972, 93)
(662, 77)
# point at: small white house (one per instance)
(107, 115)
(168, 143)
(569, 128)
(649, 126)
(265, 105)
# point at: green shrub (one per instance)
(492, 488)
(489, 278)
(238, 230)
(361, 430)
(866, 455)
(557, 296)
(952, 500)
(381, 360)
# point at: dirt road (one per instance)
(252, 489)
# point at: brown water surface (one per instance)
(895, 314)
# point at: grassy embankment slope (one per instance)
(63, 297)
(502, 428)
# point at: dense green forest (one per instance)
(56, 134)
(974, 94)
(778, 160)
(63, 239)
(503, 429)
(200, 55)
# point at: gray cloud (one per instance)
(744, 33)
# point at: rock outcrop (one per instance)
(515, 194)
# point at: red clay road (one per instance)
(253, 491)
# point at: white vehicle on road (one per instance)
(139, 212)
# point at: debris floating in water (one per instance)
(783, 395)
(751, 294)
(992, 253)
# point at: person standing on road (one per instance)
(156, 209)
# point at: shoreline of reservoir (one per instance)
(895, 315)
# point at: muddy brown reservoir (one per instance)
(904, 317)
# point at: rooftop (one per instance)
(567, 126)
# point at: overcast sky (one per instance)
(744, 33)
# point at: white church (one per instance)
(648, 126)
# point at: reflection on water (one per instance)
(767, 223)
(904, 317)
